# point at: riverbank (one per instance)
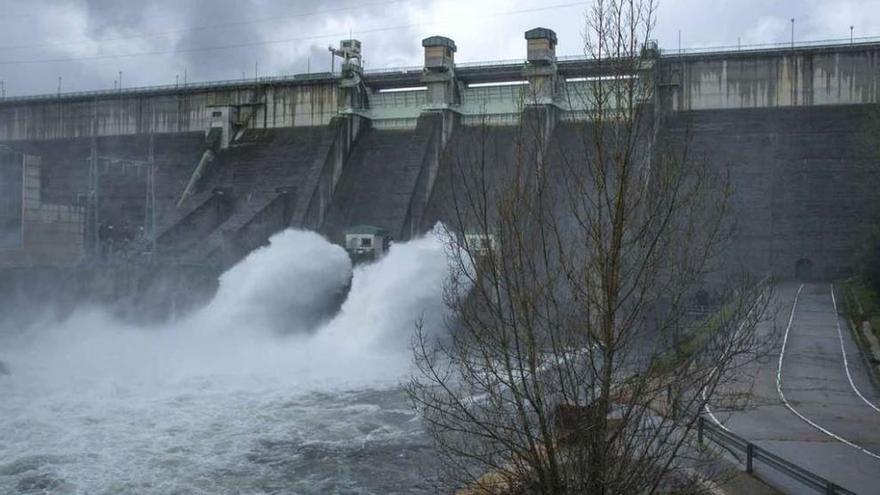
(863, 313)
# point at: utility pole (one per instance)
(59, 85)
(2, 88)
(794, 62)
(94, 183)
(150, 210)
(679, 41)
(851, 35)
(120, 80)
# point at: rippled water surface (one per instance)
(239, 397)
(213, 440)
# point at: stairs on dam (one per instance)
(201, 215)
(260, 176)
(174, 216)
(245, 212)
(384, 180)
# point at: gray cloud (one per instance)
(151, 41)
(106, 17)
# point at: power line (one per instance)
(272, 42)
(198, 49)
(206, 27)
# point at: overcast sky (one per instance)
(87, 42)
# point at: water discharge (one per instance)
(259, 391)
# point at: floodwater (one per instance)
(245, 395)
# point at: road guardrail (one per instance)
(752, 454)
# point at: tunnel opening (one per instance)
(803, 270)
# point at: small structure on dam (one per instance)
(366, 243)
(198, 175)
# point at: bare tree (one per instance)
(575, 362)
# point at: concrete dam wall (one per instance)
(201, 175)
(805, 182)
(266, 105)
(831, 75)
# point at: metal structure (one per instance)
(93, 200)
(752, 456)
(93, 195)
(349, 51)
(150, 201)
(467, 72)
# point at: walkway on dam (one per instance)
(822, 413)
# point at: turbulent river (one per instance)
(246, 395)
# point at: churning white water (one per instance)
(247, 395)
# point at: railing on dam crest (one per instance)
(506, 67)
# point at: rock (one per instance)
(4, 370)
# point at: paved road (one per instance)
(825, 426)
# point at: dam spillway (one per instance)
(253, 392)
(329, 152)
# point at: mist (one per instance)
(103, 394)
(265, 318)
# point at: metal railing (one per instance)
(664, 53)
(753, 454)
(412, 69)
(189, 86)
(763, 47)
(490, 63)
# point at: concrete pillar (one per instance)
(440, 113)
(439, 73)
(541, 112)
(540, 70)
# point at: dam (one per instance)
(198, 175)
(220, 287)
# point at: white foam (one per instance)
(93, 384)
(237, 333)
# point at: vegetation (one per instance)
(867, 300)
(866, 287)
(574, 364)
